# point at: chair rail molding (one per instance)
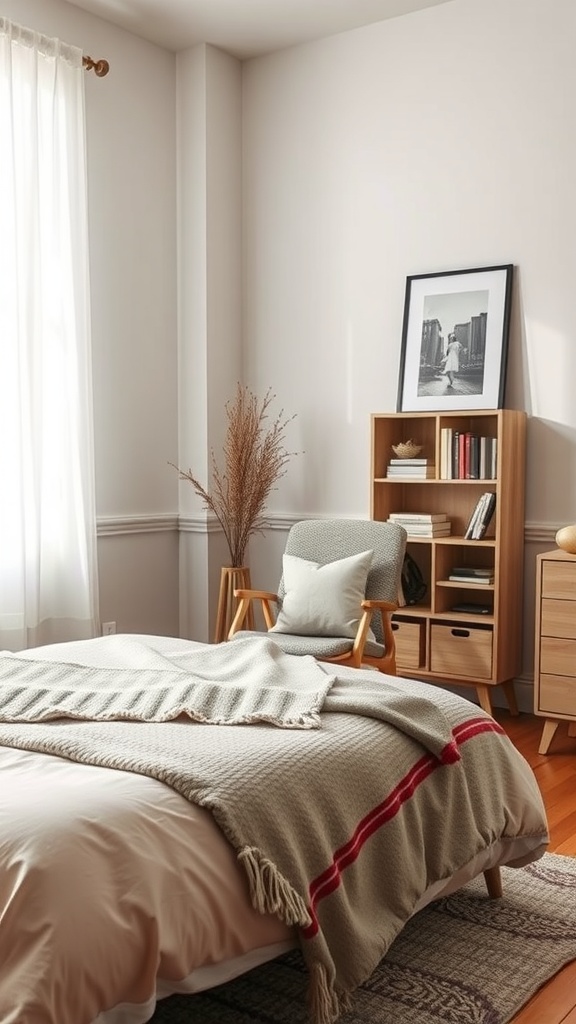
(541, 533)
(107, 526)
(110, 526)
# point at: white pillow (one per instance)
(323, 600)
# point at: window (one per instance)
(48, 577)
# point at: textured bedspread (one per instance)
(153, 680)
(341, 828)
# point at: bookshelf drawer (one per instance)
(557, 656)
(558, 618)
(557, 695)
(461, 651)
(559, 580)
(410, 643)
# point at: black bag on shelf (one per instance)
(413, 585)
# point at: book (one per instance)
(433, 530)
(462, 455)
(455, 449)
(425, 529)
(446, 453)
(482, 470)
(430, 527)
(417, 523)
(477, 514)
(476, 581)
(465, 570)
(473, 518)
(409, 467)
(409, 462)
(493, 457)
(418, 516)
(472, 467)
(486, 513)
(410, 473)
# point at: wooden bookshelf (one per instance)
(435, 642)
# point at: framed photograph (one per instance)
(455, 340)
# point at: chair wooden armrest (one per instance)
(386, 609)
(245, 599)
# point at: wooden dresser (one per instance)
(555, 634)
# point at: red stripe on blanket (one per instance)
(330, 879)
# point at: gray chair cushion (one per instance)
(318, 647)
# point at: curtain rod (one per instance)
(99, 67)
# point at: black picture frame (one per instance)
(455, 339)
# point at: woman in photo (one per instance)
(452, 362)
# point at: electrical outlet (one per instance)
(108, 628)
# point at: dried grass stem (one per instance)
(255, 458)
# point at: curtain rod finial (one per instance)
(100, 67)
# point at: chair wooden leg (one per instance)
(493, 880)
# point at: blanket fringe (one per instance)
(323, 1004)
(271, 893)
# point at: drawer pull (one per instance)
(460, 632)
(395, 627)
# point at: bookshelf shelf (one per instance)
(435, 641)
(465, 586)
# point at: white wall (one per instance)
(436, 141)
(131, 143)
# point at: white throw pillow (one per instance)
(323, 600)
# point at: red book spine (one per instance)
(462, 457)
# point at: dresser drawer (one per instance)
(558, 618)
(557, 695)
(559, 580)
(461, 651)
(557, 656)
(410, 639)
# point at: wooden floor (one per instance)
(555, 1003)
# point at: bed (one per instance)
(172, 814)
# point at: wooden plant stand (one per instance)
(231, 578)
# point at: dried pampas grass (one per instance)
(255, 458)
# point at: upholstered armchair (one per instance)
(338, 590)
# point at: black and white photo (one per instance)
(455, 340)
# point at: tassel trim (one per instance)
(270, 892)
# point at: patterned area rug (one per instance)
(463, 960)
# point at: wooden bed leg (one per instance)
(493, 880)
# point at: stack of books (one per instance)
(471, 574)
(411, 469)
(423, 524)
(481, 516)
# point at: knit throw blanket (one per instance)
(341, 828)
(158, 679)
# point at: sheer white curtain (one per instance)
(48, 575)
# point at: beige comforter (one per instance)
(341, 829)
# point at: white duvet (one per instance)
(115, 891)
